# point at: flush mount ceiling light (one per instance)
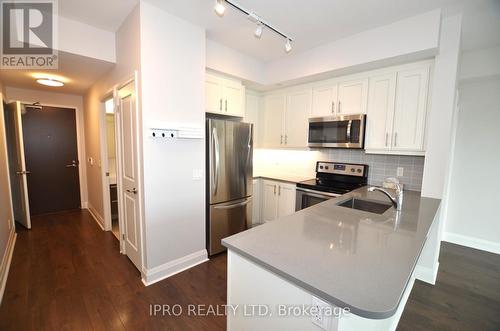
(219, 9)
(50, 82)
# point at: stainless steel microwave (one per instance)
(337, 131)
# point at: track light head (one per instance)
(219, 8)
(288, 46)
(258, 30)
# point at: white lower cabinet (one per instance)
(278, 200)
(256, 219)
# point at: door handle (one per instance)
(73, 164)
(26, 172)
(216, 159)
(134, 191)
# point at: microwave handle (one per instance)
(349, 124)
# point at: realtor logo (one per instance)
(28, 34)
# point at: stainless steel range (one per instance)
(332, 180)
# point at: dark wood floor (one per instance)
(67, 274)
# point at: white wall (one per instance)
(127, 61)
(60, 100)
(172, 74)
(480, 63)
(473, 218)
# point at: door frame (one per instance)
(79, 141)
(12, 223)
(113, 92)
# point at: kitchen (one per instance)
(277, 167)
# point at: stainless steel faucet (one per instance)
(397, 201)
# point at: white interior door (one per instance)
(17, 164)
(130, 189)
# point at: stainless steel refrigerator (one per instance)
(229, 183)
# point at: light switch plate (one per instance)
(400, 172)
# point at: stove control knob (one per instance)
(321, 167)
(326, 167)
(352, 170)
(359, 170)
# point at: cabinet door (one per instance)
(298, 108)
(272, 120)
(269, 200)
(381, 93)
(353, 97)
(252, 114)
(410, 110)
(286, 199)
(213, 94)
(324, 101)
(256, 201)
(232, 93)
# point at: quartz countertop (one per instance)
(282, 177)
(347, 257)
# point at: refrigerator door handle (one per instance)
(216, 159)
(234, 205)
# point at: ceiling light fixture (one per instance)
(219, 8)
(258, 30)
(50, 82)
(261, 24)
(288, 46)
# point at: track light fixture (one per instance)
(288, 46)
(258, 30)
(220, 8)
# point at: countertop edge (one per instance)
(312, 289)
(283, 180)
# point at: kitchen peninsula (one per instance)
(331, 255)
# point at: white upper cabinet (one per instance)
(410, 109)
(252, 115)
(324, 101)
(381, 97)
(298, 107)
(272, 120)
(224, 96)
(352, 97)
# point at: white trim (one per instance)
(171, 268)
(95, 215)
(85, 205)
(472, 242)
(6, 260)
(426, 274)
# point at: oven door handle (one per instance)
(316, 194)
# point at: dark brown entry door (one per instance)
(51, 152)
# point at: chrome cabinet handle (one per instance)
(220, 104)
(279, 190)
(340, 109)
(395, 139)
(226, 104)
(281, 140)
(286, 139)
(274, 189)
(134, 191)
(386, 139)
(333, 107)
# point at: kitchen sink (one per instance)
(365, 205)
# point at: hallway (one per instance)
(67, 274)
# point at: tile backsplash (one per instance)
(302, 163)
(382, 166)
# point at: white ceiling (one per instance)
(80, 73)
(315, 22)
(104, 14)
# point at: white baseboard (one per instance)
(484, 245)
(6, 260)
(85, 205)
(171, 268)
(425, 274)
(95, 215)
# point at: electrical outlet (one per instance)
(318, 313)
(400, 172)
